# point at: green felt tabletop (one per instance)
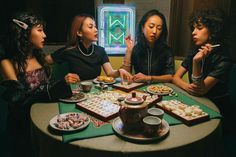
(99, 128)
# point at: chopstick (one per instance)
(216, 45)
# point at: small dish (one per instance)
(159, 89)
(76, 97)
(70, 121)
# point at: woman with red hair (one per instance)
(81, 54)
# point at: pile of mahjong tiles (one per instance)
(182, 110)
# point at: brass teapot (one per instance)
(132, 111)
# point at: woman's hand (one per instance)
(72, 78)
(129, 43)
(140, 77)
(124, 75)
(203, 52)
(196, 90)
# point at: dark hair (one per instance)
(140, 36)
(18, 43)
(214, 20)
(76, 25)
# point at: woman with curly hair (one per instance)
(208, 63)
(151, 57)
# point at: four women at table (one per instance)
(151, 57)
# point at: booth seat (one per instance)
(117, 61)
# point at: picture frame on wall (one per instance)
(115, 22)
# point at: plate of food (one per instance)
(76, 97)
(159, 89)
(105, 80)
(71, 121)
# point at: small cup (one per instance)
(156, 112)
(86, 86)
(151, 125)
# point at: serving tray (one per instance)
(129, 87)
(139, 137)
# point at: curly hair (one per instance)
(140, 36)
(18, 42)
(214, 20)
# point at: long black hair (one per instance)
(18, 41)
(140, 36)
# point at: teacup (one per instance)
(151, 125)
(86, 86)
(156, 112)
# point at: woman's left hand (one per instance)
(140, 77)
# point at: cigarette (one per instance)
(216, 45)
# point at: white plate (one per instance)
(170, 90)
(76, 97)
(85, 121)
(106, 83)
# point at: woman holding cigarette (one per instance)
(208, 65)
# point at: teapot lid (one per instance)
(134, 99)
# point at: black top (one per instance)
(87, 67)
(217, 65)
(162, 60)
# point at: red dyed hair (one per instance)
(76, 25)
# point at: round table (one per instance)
(203, 139)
